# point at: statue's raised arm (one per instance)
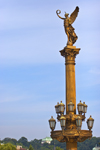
(69, 30)
(58, 12)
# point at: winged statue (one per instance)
(69, 30)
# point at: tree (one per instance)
(31, 148)
(24, 141)
(7, 146)
(58, 148)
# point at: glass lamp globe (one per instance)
(90, 122)
(52, 123)
(80, 107)
(61, 108)
(62, 121)
(57, 108)
(79, 122)
(70, 106)
(84, 107)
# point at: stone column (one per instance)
(70, 53)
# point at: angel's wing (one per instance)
(74, 14)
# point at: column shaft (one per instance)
(70, 85)
(71, 145)
(70, 53)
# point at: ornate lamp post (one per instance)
(62, 121)
(84, 107)
(61, 108)
(71, 122)
(90, 122)
(80, 107)
(70, 107)
(78, 122)
(57, 108)
(52, 123)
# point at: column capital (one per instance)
(70, 52)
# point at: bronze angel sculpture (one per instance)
(69, 30)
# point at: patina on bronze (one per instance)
(71, 122)
(69, 30)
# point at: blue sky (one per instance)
(32, 78)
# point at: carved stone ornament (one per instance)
(75, 135)
(70, 52)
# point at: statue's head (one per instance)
(66, 14)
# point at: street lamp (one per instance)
(52, 123)
(78, 122)
(84, 107)
(80, 107)
(70, 106)
(90, 122)
(57, 108)
(62, 121)
(61, 108)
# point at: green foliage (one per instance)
(9, 140)
(31, 148)
(24, 142)
(46, 146)
(7, 146)
(58, 148)
(88, 144)
(59, 144)
(36, 144)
